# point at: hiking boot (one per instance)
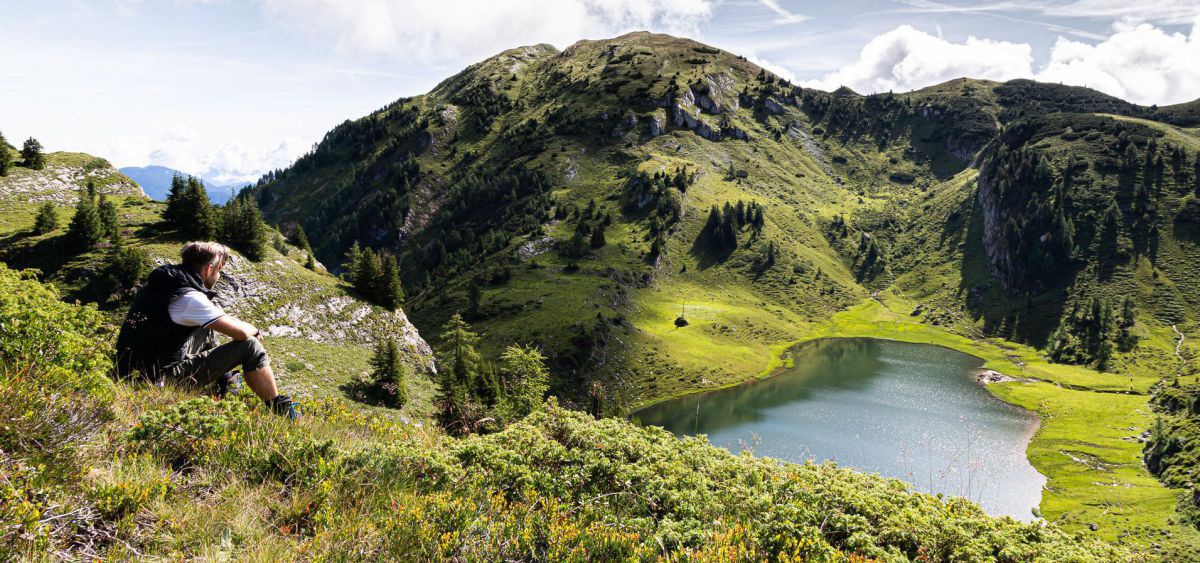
(283, 405)
(226, 383)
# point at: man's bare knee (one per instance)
(254, 354)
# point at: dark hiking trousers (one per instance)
(204, 368)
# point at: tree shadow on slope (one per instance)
(708, 255)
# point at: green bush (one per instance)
(191, 432)
(53, 366)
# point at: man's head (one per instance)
(206, 259)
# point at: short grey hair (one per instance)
(198, 254)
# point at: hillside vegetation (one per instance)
(319, 333)
(95, 469)
(657, 217)
(662, 217)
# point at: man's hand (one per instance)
(235, 328)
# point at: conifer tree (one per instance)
(656, 248)
(598, 236)
(459, 365)
(388, 374)
(474, 295)
(758, 221)
(280, 244)
(728, 239)
(524, 380)
(189, 210)
(85, 229)
(310, 262)
(5, 156)
(47, 219)
(31, 154)
(713, 224)
(203, 218)
(242, 227)
(300, 239)
(174, 200)
(391, 291)
(353, 263)
(107, 211)
(367, 276)
(127, 265)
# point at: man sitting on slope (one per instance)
(167, 333)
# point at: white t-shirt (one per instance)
(194, 309)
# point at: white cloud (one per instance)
(1142, 64)
(906, 59)
(779, 70)
(452, 30)
(218, 162)
(1139, 63)
(784, 15)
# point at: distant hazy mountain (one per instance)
(156, 182)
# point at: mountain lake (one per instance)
(909, 411)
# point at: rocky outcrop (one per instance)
(657, 124)
(287, 305)
(995, 246)
(61, 181)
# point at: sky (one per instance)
(229, 89)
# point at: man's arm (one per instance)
(234, 328)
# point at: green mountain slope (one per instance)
(485, 181)
(1010, 220)
(319, 334)
(101, 470)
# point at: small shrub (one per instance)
(190, 432)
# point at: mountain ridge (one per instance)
(970, 208)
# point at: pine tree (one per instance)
(107, 211)
(459, 365)
(189, 210)
(280, 244)
(242, 227)
(5, 156)
(47, 219)
(172, 214)
(31, 154)
(598, 236)
(713, 224)
(353, 263)
(474, 295)
(300, 239)
(388, 374)
(728, 239)
(524, 380)
(203, 220)
(367, 277)
(310, 262)
(85, 229)
(729, 213)
(391, 290)
(578, 244)
(127, 265)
